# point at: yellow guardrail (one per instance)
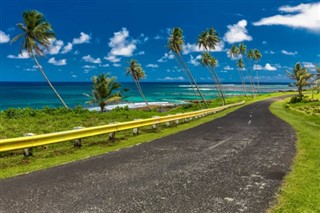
(45, 139)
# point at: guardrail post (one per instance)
(77, 142)
(155, 125)
(112, 135)
(28, 151)
(135, 131)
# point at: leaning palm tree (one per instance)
(234, 53)
(301, 76)
(242, 53)
(257, 55)
(175, 45)
(241, 66)
(37, 34)
(137, 73)
(103, 91)
(209, 40)
(250, 56)
(208, 62)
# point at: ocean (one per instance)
(39, 94)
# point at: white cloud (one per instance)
(141, 53)
(264, 42)
(194, 61)
(180, 78)
(166, 57)
(74, 76)
(67, 48)
(4, 38)
(88, 58)
(84, 38)
(269, 52)
(23, 55)
(55, 47)
(104, 65)
(228, 68)
(112, 58)
(188, 48)
(89, 66)
(285, 52)
(76, 52)
(117, 65)
(57, 62)
(153, 65)
(120, 44)
(268, 67)
(157, 37)
(304, 16)
(237, 33)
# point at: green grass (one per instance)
(51, 120)
(300, 191)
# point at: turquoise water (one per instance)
(39, 94)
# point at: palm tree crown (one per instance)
(234, 51)
(135, 70)
(37, 35)
(257, 55)
(301, 76)
(176, 40)
(103, 90)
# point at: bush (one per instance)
(10, 113)
(295, 99)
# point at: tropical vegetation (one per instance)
(105, 90)
(137, 73)
(37, 35)
(301, 76)
(175, 44)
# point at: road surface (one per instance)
(232, 164)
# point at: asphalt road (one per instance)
(233, 164)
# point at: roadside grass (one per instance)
(13, 163)
(300, 191)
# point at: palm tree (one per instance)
(233, 53)
(301, 76)
(37, 34)
(209, 40)
(257, 55)
(137, 73)
(242, 53)
(210, 62)
(250, 56)
(103, 91)
(175, 45)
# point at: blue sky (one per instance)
(96, 37)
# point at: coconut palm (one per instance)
(209, 62)
(103, 91)
(233, 53)
(250, 56)
(257, 55)
(242, 53)
(37, 35)
(175, 45)
(137, 73)
(209, 40)
(301, 76)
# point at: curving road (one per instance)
(232, 164)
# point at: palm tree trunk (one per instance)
(242, 82)
(258, 82)
(45, 76)
(220, 86)
(141, 93)
(193, 80)
(216, 85)
(185, 74)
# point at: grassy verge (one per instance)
(13, 163)
(301, 188)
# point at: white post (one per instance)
(135, 131)
(28, 151)
(77, 142)
(155, 125)
(112, 135)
